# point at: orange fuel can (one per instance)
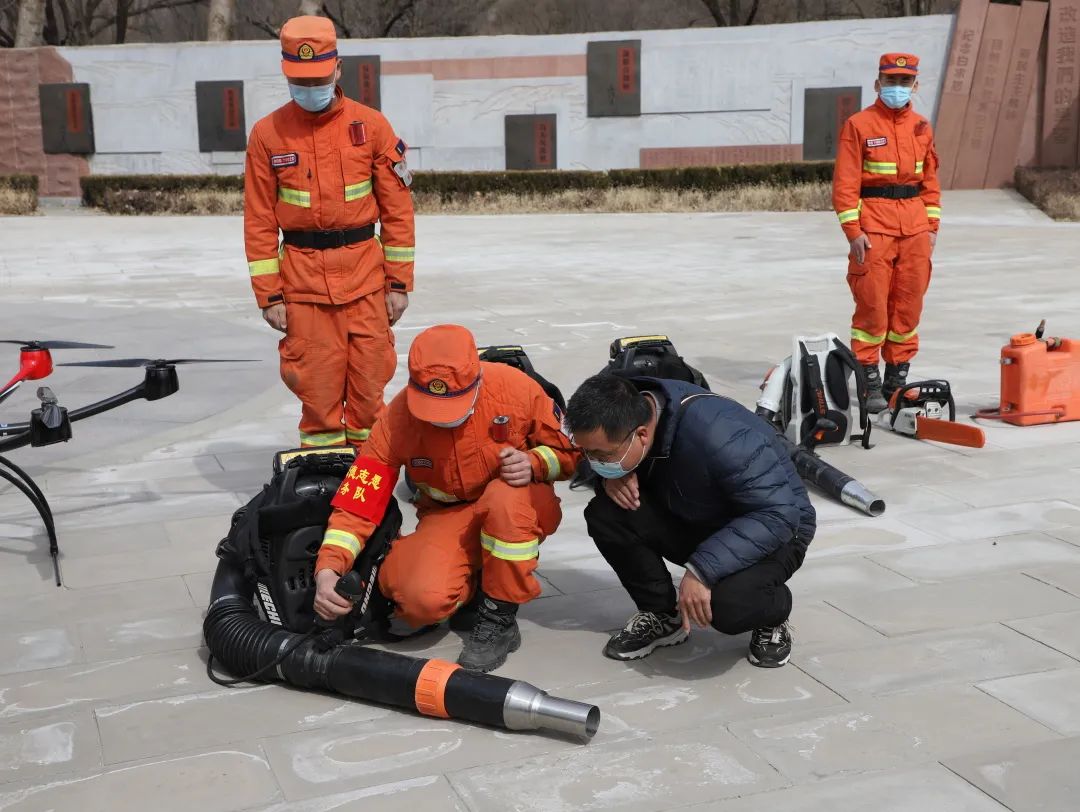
(1040, 380)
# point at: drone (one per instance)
(51, 423)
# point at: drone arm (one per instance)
(9, 388)
(134, 393)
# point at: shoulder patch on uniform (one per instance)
(921, 127)
(284, 159)
(401, 148)
(401, 169)
(421, 462)
(877, 142)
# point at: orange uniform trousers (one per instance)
(432, 572)
(888, 289)
(337, 359)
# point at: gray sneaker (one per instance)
(643, 634)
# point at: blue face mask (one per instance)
(613, 470)
(313, 99)
(895, 96)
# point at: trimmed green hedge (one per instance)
(100, 190)
(22, 183)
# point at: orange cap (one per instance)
(308, 48)
(444, 371)
(904, 64)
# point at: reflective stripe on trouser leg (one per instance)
(910, 281)
(515, 522)
(869, 284)
(313, 361)
(371, 361)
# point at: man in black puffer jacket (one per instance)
(701, 481)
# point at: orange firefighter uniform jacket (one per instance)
(884, 147)
(326, 172)
(452, 466)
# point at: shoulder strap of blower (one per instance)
(862, 390)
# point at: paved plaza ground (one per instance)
(937, 648)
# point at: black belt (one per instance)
(899, 192)
(329, 239)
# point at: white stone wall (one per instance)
(700, 87)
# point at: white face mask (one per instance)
(460, 421)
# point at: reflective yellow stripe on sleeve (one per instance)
(399, 253)
(933, 212)
(879, 167)
(848, 215)
(510, 551)
(357, 435)
(865, 337)
(294, 197)
(918, 167)
(355, 191)
(550, 460)
(346, 541)
(263, 267)
(437, 495)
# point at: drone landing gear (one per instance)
(25, 483)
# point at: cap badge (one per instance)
(306, 52)
(901, 62)
(437, 387)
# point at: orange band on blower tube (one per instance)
(431, 687)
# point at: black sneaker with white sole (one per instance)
(770, 646)
(643, 634)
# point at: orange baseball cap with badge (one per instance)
(308, 48)
(444, 372)
(903, 64)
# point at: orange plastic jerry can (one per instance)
(1040, 380)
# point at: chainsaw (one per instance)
(926, 410)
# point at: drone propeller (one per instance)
(156, 362)
(57, 345)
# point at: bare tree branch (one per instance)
(713, 7)
(338, 21)
(406, 7)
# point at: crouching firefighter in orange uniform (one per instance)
(324, 169)
(483, 444)
(888, 198)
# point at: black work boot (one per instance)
(465, 618)
(895, 378)
(493, 637)
(875, 400)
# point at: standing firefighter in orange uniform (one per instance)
(888, 198)
(483, 444)
(323, 169)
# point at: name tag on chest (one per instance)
(285, 159)
(876, 142)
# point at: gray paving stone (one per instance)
(203, 532)
(652, 773)
(964, 602)
(921, 660)
(50, 604)
(395, 748)
(33, 751)
(957, 719)
(926, 789)
(138, 565)
(1037, 778)
(1065, 577)
(1011, 490)
(34, 649)
(175, 724)
(87, 542)
(544, 654)
(994, 522)
(995, 465)
(652, 703)
(221, 781)
(966, 559)
(602, 610)
(181, 629)
(868, 535)
(1057, 631)
(429, 793)
(1069, 534)
(198, 585)
(74, 687)
(1052, 697)
(821, 578)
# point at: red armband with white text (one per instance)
(366, 489)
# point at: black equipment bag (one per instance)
(652, 357)
(514, 355)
